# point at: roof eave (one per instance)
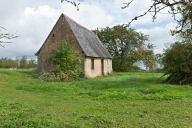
(99, 57)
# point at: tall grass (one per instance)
(120, 100)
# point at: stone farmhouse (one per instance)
(95, 59)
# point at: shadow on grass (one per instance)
(112, 83)
(30, 72)
(106, 87)
(124, 86)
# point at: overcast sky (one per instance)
(32, 20)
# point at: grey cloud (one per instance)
(34, 26)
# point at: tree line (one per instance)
(22, 63)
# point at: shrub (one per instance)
(177, 63)
(66, 63)
(59, 76)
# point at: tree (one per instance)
(177, 61)
(148, 59)
(23, 62)
(7, 63)
(74, 3)
(158, 58)
(126, 46)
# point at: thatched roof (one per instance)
(88, 41)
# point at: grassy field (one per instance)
(123, 100)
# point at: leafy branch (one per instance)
(5, 37)
(182, 8)
(75, 4)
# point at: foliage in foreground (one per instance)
(127, 47)
(177, 63)
(66, 64)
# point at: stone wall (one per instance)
(60, 32)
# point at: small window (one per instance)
(92, 64)
(53, 35)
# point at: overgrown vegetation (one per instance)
(177, 63)
(133, 100)
(66, 64)
(127, 48)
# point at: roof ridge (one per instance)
(77, 23)
(87, 40)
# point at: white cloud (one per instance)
(44, 11)
(90, 15)
(160, 36)
(33, 25)
(33, 20)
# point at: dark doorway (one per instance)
(102, 66)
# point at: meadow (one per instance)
(122, 100)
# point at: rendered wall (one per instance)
(108, 66)
(97, 71)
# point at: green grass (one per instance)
(122, 100)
